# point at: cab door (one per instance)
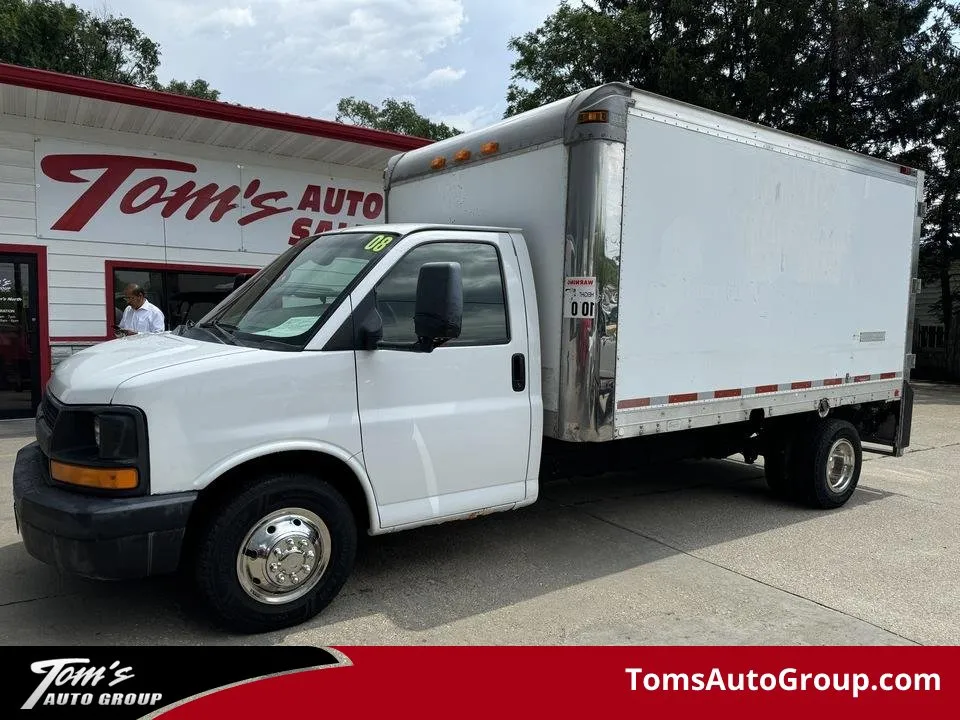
(447, 432)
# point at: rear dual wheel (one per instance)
(819, 465)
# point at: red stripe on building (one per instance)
(833, 381)
(634, 403)
(727, 393)
(766, 388)
(803, 385)
(861, 378)
(685, 397)
(888, 376)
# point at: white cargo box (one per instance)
(691, 268)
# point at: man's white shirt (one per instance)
(145, 320)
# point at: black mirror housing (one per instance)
(371, 330)
(438, 314)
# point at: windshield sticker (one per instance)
(292, 327)
(379, 243)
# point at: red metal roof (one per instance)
(212, 109)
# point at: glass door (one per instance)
(19, 337)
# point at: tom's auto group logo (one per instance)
(74, 681)
(140, 682)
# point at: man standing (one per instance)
(140, 315)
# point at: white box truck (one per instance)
(608, 278)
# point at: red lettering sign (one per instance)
(155, 191)
(116, 170)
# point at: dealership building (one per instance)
(102, 185)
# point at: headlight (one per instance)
(116, 436)
(101, 448)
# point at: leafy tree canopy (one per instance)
(392, 116)
(52, 35)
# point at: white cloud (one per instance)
(477, 117)
(301, 56)
(441, 76)
(361, 41)
(233, 17)
(200, 17)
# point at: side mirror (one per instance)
(371, 330)
(438, 314)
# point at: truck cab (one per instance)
(332, 394)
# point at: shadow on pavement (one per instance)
(429, 577)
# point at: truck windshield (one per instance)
(284, 304)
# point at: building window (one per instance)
(182, 295)
(484, 309)
(931, 337)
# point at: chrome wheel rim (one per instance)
(283, 556)
(841, 464)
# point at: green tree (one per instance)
(198, 89)
(52, 35)
(879, 77)
(392, 116)
(938, 122)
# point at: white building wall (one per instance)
(76, 278)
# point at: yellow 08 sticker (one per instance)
(378, 243)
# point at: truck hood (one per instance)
(94, 374)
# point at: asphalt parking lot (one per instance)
(695, 553)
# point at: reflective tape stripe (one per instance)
(727, 394)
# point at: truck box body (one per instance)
(735, 267)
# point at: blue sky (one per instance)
(300, 56)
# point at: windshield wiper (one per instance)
(265, 342)
(225, 331)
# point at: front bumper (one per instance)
(99, 537)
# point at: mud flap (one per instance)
(901, 439)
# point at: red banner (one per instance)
(475, 682)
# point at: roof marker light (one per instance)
(593, 116)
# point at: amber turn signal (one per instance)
(103, 478)
(462, 156)
(593, 116)
(438, 163)
(489, 148)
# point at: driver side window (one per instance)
(484, 305)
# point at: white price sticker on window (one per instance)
(580, 298)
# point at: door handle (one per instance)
(519, 365)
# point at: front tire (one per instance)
(275, 554)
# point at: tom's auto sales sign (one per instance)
(115, 195)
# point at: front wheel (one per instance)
(275, 554)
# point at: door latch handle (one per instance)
(519, 365)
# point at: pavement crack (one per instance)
(36, 599)
(929, 449)
(717, 565)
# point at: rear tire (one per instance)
(827, 464)
(275, 554)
